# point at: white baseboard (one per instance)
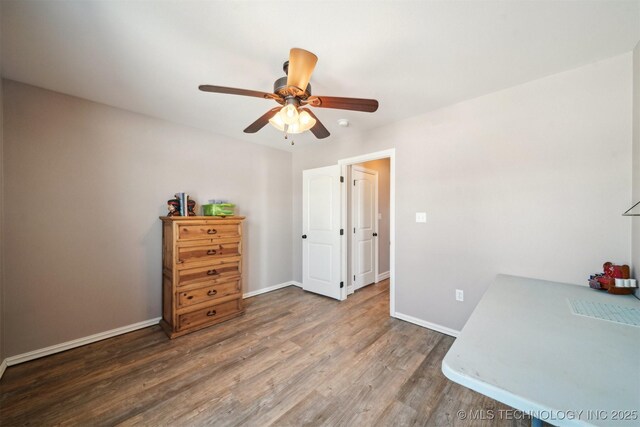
(3, 366)
(270, 289)
(382, 276)
(25, 357)
(428, 325)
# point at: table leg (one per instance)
(536, 422)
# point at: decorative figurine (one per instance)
(191, 207)
(173, 206)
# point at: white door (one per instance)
(364, 201)
(321, 231)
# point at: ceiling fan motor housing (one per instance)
(281, 88)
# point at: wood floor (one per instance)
(294, 359)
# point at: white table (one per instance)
(523, 346)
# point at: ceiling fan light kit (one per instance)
(303, 123)
(293, 92)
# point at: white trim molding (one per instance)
(270, 289)
(25, 357)
(382, 276)
(3, 367)
(428, 325)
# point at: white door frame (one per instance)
(344, 163)
(375, 223)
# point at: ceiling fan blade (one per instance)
(235, 91)
(355, 104)
(301, 65)
(262, 121)
(318, 129)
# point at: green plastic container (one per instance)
(218, 209)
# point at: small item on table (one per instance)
(176, 206)
(606, 282)
(183, 203)
(615, 279)
(616, 271)
(191, 207)
(219, 209)
(173, 206)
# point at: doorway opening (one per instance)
(330, 232)
(368, 216)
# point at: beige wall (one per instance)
(84, 186)
(382, 166)
(512, 183)
(635, 234)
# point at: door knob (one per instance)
(304, 236)
(375, 234)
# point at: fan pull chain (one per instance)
(286, 135)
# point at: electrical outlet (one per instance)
(421, 217)
(459, 295)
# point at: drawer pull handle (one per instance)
(211, 313)
(211, 252)
(211, 272)
(212, 292)
(212, 231)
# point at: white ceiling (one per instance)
(413, 57)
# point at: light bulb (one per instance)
(277, 122)
(294, 128)
(306, 121)
(289, 114)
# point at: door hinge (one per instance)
(354, 230)
(341, 285)
(341, 231)
(354, 182)
(342, 179)
(354, 277)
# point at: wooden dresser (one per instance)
(201, 272)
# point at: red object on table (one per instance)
(606, 282)
(616, 271)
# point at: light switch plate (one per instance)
(421, 217)
(459, 295)
(379, 215)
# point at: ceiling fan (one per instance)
(293, 93)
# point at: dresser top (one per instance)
(201, 218)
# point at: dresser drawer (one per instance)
(207, 231)
(213, 273)
(209, 251)
(208, 293)
(209, 314)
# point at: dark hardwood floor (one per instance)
(294, 359)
